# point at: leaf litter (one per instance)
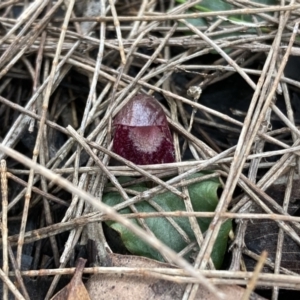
(141, 285)
(52, 78)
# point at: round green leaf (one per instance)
(204, 198)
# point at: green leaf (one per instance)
(204, 198)
(220, 5)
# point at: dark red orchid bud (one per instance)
(142, 134)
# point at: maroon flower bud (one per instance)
(141, 132)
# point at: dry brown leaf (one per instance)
(75, 290)
(125, 286)
(263, 234)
